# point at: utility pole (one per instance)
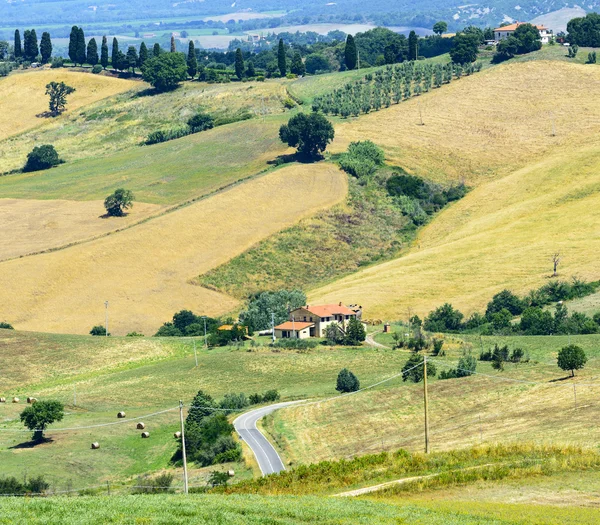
(205, 340)
(185, 472)
(106, 317)
(195, 354)
(273, 326)
(294, 327)
(426, 405)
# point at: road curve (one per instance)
(267, 457)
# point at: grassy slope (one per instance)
(22, 98)
(63, 291)
(123, 121)
(391, 417)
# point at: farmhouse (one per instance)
(312, 321)
(501, 33)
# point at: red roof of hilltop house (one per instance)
(514, 26)
(328, 310)
(289, 325)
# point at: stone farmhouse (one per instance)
(312, 321)
(501, 33)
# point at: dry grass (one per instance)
(486, 125)
(31, 226)
(22, 96)
(144, 272)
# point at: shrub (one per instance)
(415, 373)
(288, 103)
(97, 69)
(444, 319)
(35, 485)
(362, 159)
(134, 334)
(295, 344)
(437, 346)
(270, 396)
(160, 484)
(158, 136)
(57, 62)
(255, 399)
(98, 330)
(260, 78)
(504, 300)
(42, 158)
(200, 122)
(234, 401)
(347, 381)
(216, 478)
(6, 326)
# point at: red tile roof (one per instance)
(512, 27)
(329, 310)
(289, 325)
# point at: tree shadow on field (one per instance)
(47, 114)
(32, 443)
(108, 216)
(151, 92)
(293, 157)
(560, 379)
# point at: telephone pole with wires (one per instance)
(185, 471)
(426, 403)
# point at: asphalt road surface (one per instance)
(266, 456)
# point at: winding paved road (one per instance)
(267, 457)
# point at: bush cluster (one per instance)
(197, 123)
(32, 486)
(390, 85)
(362, 159)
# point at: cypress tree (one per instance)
(156, 49)
(350, 53)
(192, 61)
(115, 53)
(281, 61)
(92, 52)
(143, 54)
(239, 64)
(250, 71)
(132, 58)
(173, 46)
(30, 46)
(18, 50)
(73, 44)
(297, 66)
(46, 47)
(413, 46)
(80, 46)
(104, 53)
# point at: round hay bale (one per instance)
(177, 435)
(121, 415)
(230, 473)
(31, 400)
(15, 400)
(141, 426)
(2, 400)
(95, 445)
(145, 435)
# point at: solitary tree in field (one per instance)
(555, 263)
(45, 47)
(92, 52)
(58, 91)
(350, 53)
(40, 414)
(239, 64)
(309, 133)
(571, 358)
(281, 60)
(119, 201)
(104, 53)
(347, 381)
(192, 61)
(439, 28)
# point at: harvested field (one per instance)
(31, 226)
(22, 96)
(145, 271)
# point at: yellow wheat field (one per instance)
(22, 95)
(145, 272)
(31, 226)
(501, 235)
(486, 125)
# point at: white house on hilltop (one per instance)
(312, 321)
(504, 32)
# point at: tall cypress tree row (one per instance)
(143, 54)
(281, 61)
(192, 61)
(46, 47)
(350, 53)
(104, 53)
(80, 46)
(30, 45)
(73, 44)
(18, 49)
(115, 53)
(92, 52)
(239, 64)
(156, 49)
(413, 46)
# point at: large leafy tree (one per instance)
(528, 37)
(58, 91)
(584, 31)
(30, 48)
(46, 47)
(309, 133)
(165, 71)
(355, 333)
(281, 59)
(104, 53)
(92, 52)
(40, 414)
(465, 48)
(350, 53)
(279, 303)
(504, 300)
(347, 381)
(118, 201)
(439, 28)
(443, 319)
(413, 369)
(571, 358)
(41, 158)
